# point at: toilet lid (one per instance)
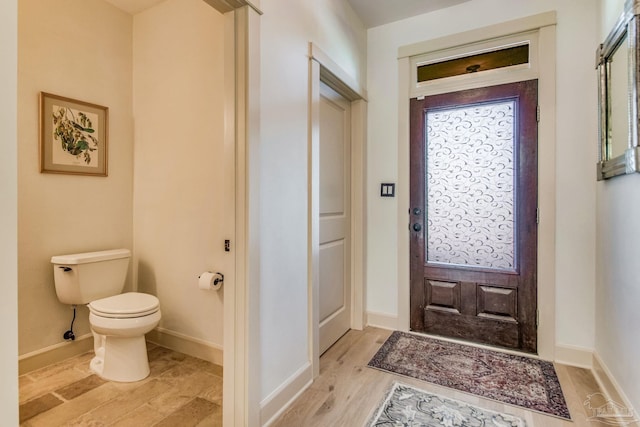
(130, 304)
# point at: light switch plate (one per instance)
(387, 189)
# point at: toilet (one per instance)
(119, 321)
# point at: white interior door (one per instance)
(335, 217)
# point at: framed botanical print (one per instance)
(73, 136)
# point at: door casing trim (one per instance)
(546, 76)
(242, 88)
(323, 68)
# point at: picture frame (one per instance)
(73, 136)
(617, 60)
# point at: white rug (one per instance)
(408, 406)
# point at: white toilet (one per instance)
(118, 321)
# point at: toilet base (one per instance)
(120, 359)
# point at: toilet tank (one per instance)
(85, 277)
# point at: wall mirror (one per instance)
(616, 62)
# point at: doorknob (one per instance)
(417, 227)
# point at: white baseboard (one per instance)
(281, 398)
(185, 344)
(574, 356)
(53, 354)
(608, 384)
(382, 320)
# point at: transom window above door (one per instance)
(479, 62)
(489, 62)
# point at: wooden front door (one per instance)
(474, 215)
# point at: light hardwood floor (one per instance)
(347, 391)
(181, 391)
(184, 391)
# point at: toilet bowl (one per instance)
(119, 324)
(118, 321)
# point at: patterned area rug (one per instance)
(517, 380)
(409, 406)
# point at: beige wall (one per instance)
(8, 212)
(183, 208)
(183, 205)
(81, 50)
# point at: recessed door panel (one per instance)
(332, 280)
(332, 158)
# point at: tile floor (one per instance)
(180, 391)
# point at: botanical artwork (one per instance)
(73, 136)
(76, 133)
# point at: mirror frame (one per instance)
(626, 29)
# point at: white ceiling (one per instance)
(379, 12)
(372, 12)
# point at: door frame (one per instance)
(9, 401)
(241, 379)
(323, 68)
(544, 27)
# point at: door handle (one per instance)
(417, 227)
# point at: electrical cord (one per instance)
(69, 335)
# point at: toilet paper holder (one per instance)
(218, 278)
(210, 280)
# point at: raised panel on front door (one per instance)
(443, 296)
(498, 303)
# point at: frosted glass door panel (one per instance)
(470, 194)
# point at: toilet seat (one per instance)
(125, 306)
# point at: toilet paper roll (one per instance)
(210, 281)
